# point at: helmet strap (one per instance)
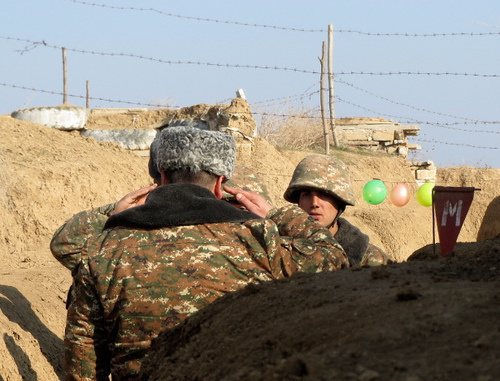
(341, 210)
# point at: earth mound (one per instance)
(428, 319)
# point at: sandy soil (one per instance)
(414, 320)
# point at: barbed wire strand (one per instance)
(455, 144)
(154, 105)
(254, 113)
(84, 97)
(241, 66)
(411, 120)
(239, 23)
(413, 107)
(265, 114)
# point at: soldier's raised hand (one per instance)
(252, 201)
(135, 198)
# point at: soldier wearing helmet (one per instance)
(321, 186)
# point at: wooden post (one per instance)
(330, 84)
(65, 77)
(87, 103)
(322, 60)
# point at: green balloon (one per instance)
(424, 194)
(374, 192)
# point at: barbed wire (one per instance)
(239, 23)
(411, 120)
(179, 62)
(416, 108)
(455, 144)
(305, 116)
(305, 94)
(283, 100)
(253, 113)
(85, 97)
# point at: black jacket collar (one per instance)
(354, 242)
(178, 205)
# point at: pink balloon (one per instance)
(400, 194)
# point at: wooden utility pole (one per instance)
(65, 77)
(87, 103)
(322, 60)
(330, 84)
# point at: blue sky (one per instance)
(459, 115)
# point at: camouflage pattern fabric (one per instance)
(67, 243)
(374, 256)
(324, 173)
(246, 179)
(132, 283)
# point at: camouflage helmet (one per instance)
(323, 173)
(244, 178)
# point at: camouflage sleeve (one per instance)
(374, 256)
(67, 243)
(86, 349)
(302, 245)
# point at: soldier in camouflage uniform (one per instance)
(149, 267)
(321, 186)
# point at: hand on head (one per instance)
(135, 198)
(253, 202)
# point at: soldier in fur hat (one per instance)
(148, 267)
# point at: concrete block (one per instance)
(426, 174)
(357, 135)
(403, 151)
(383, 136)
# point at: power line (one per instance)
(454, 34)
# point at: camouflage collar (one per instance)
(178, 205)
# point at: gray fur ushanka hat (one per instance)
(196, 150)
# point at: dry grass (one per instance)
(292, 128)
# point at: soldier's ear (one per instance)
(218, 187)
(164, 180)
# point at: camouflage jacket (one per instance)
(154, 265)
(67, 243)
(357, 246)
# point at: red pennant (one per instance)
(451, 205)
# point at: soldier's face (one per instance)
(320, 206)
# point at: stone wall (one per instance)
(376, 134)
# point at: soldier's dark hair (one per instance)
(185, 176)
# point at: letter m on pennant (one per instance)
(451, 205)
